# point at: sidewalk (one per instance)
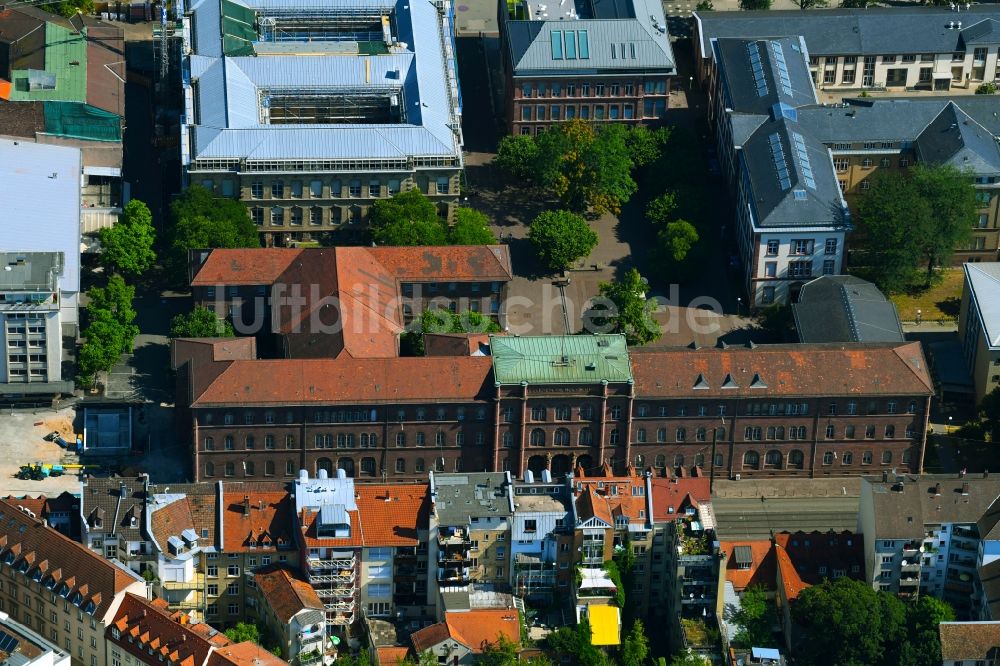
(945, 326)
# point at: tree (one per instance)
(70, 8)
(661, 209)
(471, 228)
(811, 4)
(632, 313)
(115, 299)
(848, 623)
(645, 145)
(576, 643)
(243, 631)
(704, 6)
(988, 88)
(408, 218)
(105, 340)
(922, 646)
(857, 4)
(127, 247)
(204, 221)
(688, 659)
(750, 5)
(517, 154)
(635, 647)
(989, 408)
(677, 239)
(914, 219)
(754, 618)
(501, 653)
(560, 238)
(200, 323)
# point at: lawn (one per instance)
(939, 303)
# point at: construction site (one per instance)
(310, 112)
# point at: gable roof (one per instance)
(90, 580)
(678, 493)
(825, 370)
(982, 281)
(843, 308)
(953, 137)
(556, 359)
(261, 514)
(188, 507)
(144, 625)
(974, 641)
(475, 629)
(119, 502)
(286, 595)
(382, 515)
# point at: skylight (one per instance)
(758, 69)
(780, 164)
(779, 59)
(803, 158)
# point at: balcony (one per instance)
(965, 545)
(911, 548)
(337, 576)
(454, 576)
(451, 536)
(197, 582)
(964, 533)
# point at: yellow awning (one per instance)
(605, 625)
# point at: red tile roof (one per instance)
(456, 344)
(453, 263)
(392, 655)
(378, 522)
(263, 517)
(678, 494)
(475, 629)
(606, 497)
(278, 382)
(286, 594)
(83, 571)
(789, 578)
(762, 568)
(169, 635)
(245, 266)
(246, 653)
(800, 370)
(196, 510)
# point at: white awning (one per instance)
(113, 172)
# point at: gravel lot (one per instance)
(21, 443)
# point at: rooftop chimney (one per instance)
(246, 505)
(937, 488)
(965, 487)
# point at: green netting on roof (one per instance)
(80, 121)
(65, 75)
(372, 48)
(239, 29)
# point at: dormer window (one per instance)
(115, 633)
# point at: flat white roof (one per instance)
(40, 203)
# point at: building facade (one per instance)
(918, 48)
(292, 614)
(337, 114)
(801, 410)
(979, 326)
(596, 61)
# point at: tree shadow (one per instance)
(950, 306)
(152, 379)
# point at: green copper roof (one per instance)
(64, 78)
(560, 359)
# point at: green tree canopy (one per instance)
(471, 227)
(633, 313)
(200, 323)
(408, 218)
(811, 4)
(115, 298)
(111, 331)
(516, 154)
(645, 145)
(501, 653)
(127, 247)
(849, 624)
(750, 5)
(754, 618)
(560, 238)
(635, 647)
(677, 239)
(912, 220)
(688, 659)
(243, 631)
(922, 645)
(660, 210)
(204, 221)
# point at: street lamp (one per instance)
(739, 306)
(949, 424)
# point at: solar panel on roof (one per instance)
(7, 642)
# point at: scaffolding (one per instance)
(369, 105)
(335, 582)
(326, 24)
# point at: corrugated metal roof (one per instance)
(983, 281)
(333, 514)
(229, 90)
(42, 202)
(557, 359)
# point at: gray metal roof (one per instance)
(230, 89)
(459, 497)
(333, 514)
(41, 206)
(604, 36)
(876, 30)
(30, 271)
(902, 508)
(983, 283)
(955, 138)
(843, 308)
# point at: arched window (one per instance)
(364, 440)
(699, 460)
(847, 458)
(400, 439)
(420, 439)
(613, 438)
(640, 435)
(828, 458)
(268, 441)
(229, 443)
(661, 434)
(209, 444)
(507, 440)
(773, 459)
(209, 469)
(679, 460)
(699, 434)
(418, 465)
(538, 437)
(562, 437)
(890, 431)
(368, 467)
(248, 468)
(268, 468)
(439, 464)
(779, 432)
(751, 459)
(248, 442)
(640, 461)
(586, 437)
(886, 457)
(230, 469)
(795, 458)
(660, 461)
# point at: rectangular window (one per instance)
(770, 269)
(557, 44)
(570, 45)
(772, 247)
(373, 189)
(583, 44)
(831, 246)
(767, 295)
(829, 266)
(800, 269)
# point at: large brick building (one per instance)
(559, 403)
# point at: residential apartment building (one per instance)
(59, 588)
(460, 638)
(921, 535)
(470, 529)
(292, 613)
(979, 326)
(596, 61)
(112, 513)
(562, 403)
(350, 301)
(146, 633)
(791, 217)
(24, 646)
(915, 48)
(41, 270)
(311, 114)
(541, 538)
(363, 547)
(64, 85)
